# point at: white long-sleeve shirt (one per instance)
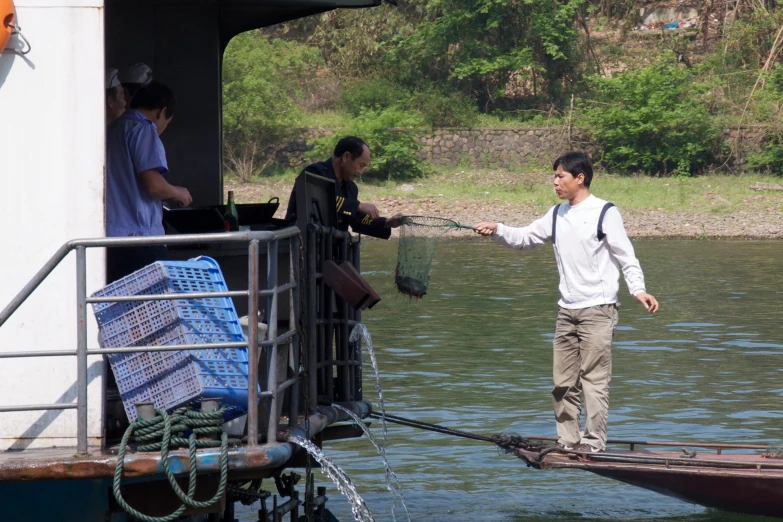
(589, 268)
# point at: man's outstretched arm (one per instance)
(531, 236)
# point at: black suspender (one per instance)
(601, 234)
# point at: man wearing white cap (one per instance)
(133, 77)
(115, 96)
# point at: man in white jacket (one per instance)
(591, 245)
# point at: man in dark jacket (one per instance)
(351, 156)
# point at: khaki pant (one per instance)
(583, 362)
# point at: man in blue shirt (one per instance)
(135, 183)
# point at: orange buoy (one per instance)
(6, 22)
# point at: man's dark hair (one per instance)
(350, 144)
(113, 93)
(155, 96)
(133, 88)
(576, 163)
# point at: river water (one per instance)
(476, 354)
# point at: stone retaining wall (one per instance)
(514, 146)
(500, 146)
(292, 154)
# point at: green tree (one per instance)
(356, 43)
(749, 40)
(463, 49)
(261, 91)
(652, 120)
(478, 46)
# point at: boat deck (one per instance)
(244, 461)
(701, 463)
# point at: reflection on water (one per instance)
(475, 353)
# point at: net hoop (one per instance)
(428, 221)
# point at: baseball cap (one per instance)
(111, 78)
(135, 73)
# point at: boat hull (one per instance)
(749, 484)
(741, 493)
(60, 500)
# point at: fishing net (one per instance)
(419, 236)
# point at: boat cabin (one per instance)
(54, 379)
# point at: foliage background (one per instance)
(655, 102)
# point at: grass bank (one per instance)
(700, 207)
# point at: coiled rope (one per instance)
(166, 432)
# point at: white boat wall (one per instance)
(52, 150)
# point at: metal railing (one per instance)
(290, 337)
(329, 320)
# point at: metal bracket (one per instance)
(17, 31)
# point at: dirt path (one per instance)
(760, 220)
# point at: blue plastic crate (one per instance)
(173, 379)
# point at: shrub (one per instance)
(770, 159)
(390, 133)
(444, 110)
(652, 120)
(434, 107)
(373, 93)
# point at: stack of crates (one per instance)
(175, 378)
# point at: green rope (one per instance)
(168, 432)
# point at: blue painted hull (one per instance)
(56, 501)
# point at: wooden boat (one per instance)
(738, 481)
